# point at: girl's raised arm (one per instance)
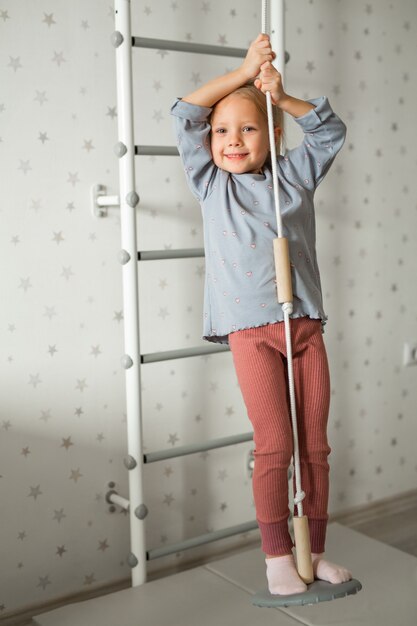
(259, 51)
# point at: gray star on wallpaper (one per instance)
(44, 581)
(173, 438)
(66, 443)
(36, 205)
(34, 380)
(60, 550)
(67, 273)
(52, 350)
(103, 545)
(89, 579)
(35, 492)
(15, 63)
(73, 178)
(57, 237)
(25, 284)
(168, 499)
(24, 166)
(59, 515)
(222, 475)
(45, 415)
(49, 19)
(75, 475)
(81, 384)
(50, 312)
(88, 145)
(196, 78)
(43, 137)
(41, 97)
(58, 58)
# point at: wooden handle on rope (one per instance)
(302, 546)
(283, 269)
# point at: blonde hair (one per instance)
(249, 91)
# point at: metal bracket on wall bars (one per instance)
(100, 201)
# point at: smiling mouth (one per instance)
(237, 155)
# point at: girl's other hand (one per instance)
(270, 80)
(259, 52)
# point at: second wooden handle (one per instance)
(302, 547)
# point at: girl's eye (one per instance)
(248, 129)
(220, 131)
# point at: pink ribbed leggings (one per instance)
(259, 356)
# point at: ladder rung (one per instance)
(156, 151)
(172, 453)
(183, 46)
(156, 255)
(181, 354)
(156, 553)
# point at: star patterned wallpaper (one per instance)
(62, 422)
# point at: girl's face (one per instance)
(239, 135)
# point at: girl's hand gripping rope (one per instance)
(259, 52)
(270, 80)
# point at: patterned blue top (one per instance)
(240, 221)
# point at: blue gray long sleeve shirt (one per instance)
(240, 221)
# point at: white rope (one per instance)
(272, 147)
(287, 306)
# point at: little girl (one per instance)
(223, 142)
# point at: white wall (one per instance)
(62, 421)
